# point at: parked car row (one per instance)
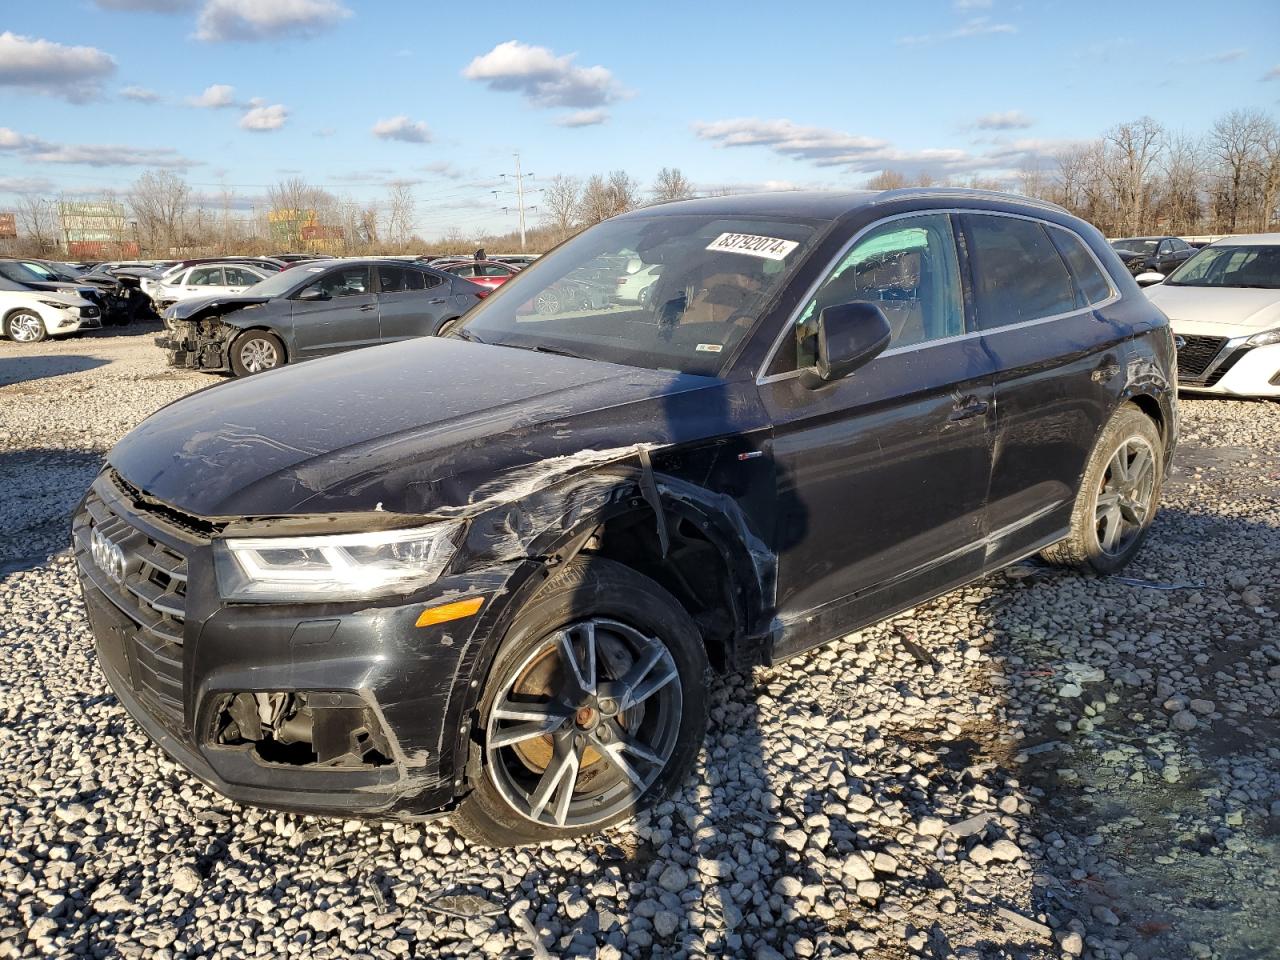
(1147, 254)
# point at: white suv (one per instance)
(205, 280)
(29, 316)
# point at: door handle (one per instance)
(972, 408)
(437, 300)
(367, 307)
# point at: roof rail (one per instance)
(963, 193)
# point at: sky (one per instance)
(356, 95)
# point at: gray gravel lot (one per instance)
(1076, 766)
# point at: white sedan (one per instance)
(205, 280)
(1224, 304)
(29, 316)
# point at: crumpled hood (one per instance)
(186, 309)
(412, 427)
(1244, 309)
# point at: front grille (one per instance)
(152, 598)
(1196, 354)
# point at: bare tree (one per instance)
(1132, 150)
(559, 202)
(602, 199)
(400, 214)
(1178, 197)
(160, 202)
(671, 184)
(1269, 160)
(1235, 141)
(887, 180)
(36, 220)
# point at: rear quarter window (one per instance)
(1091, 282)
(1018, 274)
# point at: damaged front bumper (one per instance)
(203, 345)
(332, 709)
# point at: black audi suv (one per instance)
(489, 573)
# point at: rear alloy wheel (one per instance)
(596, 701)
(1118, 496)
(25, 326)
(255, 351)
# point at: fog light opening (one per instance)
(330, 730)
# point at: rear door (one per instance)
(882, 476)
(1059, 365)
(344, 318)
(411, 303)
(239, 279)
(203, 282)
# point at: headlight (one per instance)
(1265, 338)
(352, 566)
(56, 304)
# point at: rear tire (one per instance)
(568, 748)
(256, 351)
(1118, 496)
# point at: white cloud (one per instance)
(37, 150)
(262, 118)
(964, 5)
(584, 118)
(1272, 74)
(215, 96)
(403, 129)
(140, 95)
(974, 27)
(544, 79)
(1214, 59)
(1006, 120)
(41, 66)
(444, 168)
(823, 147)
(222, 20)
(149, 6)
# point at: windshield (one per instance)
(707, 280)
(1135, 246)
(1230, 267)
(20, 272)
(278, 284)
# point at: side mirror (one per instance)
(313, 293)
(849, 335)
(1149, 278)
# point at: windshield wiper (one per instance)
(466, 335)
(540, 348)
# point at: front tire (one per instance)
(25, 326)
(1118, 496)
(595, 704)
(256, 351)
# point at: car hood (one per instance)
(1242, 309)
(414, 427)
(188, 308)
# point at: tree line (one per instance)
(1138, 177)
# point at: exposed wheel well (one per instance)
(694, 572)
(1151, 407)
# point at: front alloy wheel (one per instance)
(595, 704)
(25, 327)
(586, 724)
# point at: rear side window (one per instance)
(205, 277)
(1017, 272)
(1090, 280)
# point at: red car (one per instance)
(489, 274)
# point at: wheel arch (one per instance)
(241, 331)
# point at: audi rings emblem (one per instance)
(107, 555)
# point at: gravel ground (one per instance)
(1066, 766)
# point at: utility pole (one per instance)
(520, 199)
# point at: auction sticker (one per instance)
(709, 347)
(769, 248)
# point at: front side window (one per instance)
(347, 282)
(1253, 266)
(714, 276)
(1018, 274)
(1091, 283)
(240, 277)
(909, 268)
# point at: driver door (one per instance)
(882, 476)
(343, 317)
